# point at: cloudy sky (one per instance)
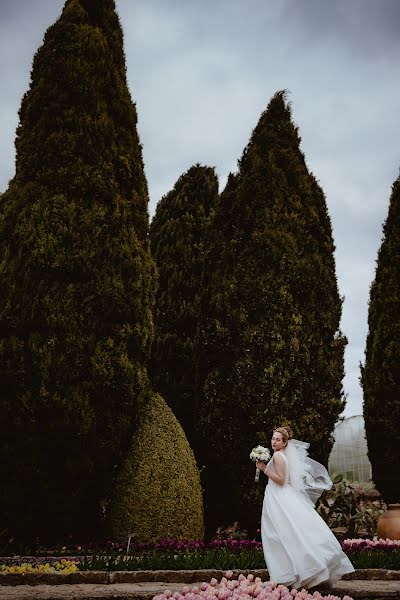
(201, 73)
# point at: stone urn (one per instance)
(389, 523)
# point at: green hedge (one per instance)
(158, 492)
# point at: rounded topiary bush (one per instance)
(157, 494)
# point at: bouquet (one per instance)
(262, 454)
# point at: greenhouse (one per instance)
(349, 455)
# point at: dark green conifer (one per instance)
(178, 236)
(76, 282)
(274, 348)
(380, 376)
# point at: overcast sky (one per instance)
(201, 73)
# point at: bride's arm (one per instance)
(280, 470)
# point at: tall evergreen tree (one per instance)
(273, 345)
(178, 236)
(76, 281)
(380, 376)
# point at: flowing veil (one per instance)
(306, 475)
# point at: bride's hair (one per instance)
(286, 433)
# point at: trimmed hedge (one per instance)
(158, 492)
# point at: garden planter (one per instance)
(389, 523)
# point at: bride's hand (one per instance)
(260, 465)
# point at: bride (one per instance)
(299, 548)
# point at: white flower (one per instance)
(260, 453)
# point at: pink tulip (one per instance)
(215, 591)
(243, 588)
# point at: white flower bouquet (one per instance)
(262, 454)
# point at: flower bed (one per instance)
(373, 554)
(219, 554)
(358, 545)
(243, 588)
(37, 565)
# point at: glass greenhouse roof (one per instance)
(349, 453)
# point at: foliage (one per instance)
(178, 236)
(380, 376)
(158, 491)
(378, 559)
(233, 554)
(343, 506)
(373, 553)
(192, 555)
(271, 329)
(366, 490)
(217, 558)
(231, 532)
(76, 283)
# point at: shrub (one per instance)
(158, 492)
(346, 507)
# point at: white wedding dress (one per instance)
(299, 548)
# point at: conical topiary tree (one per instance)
(178, 236)
(158, 492)
(273, 344)
(380, 376)
(76, 282)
